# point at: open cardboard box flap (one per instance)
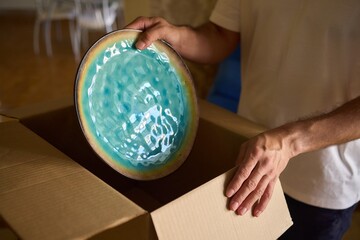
(7, 119)
(202, 214)
(45, 194)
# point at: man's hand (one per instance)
(200, 44)
(154, 28)
(261, 160)
(264, 157)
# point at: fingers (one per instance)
(253, 182)
(141, 23)
(244, 170)
(249, 193)
(262, 159)
(259, 196)
(253, 197)
(153, 28)
(236, 182)
(149, 36)
(265, 198)
(137, 24)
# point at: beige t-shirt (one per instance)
(301, 58)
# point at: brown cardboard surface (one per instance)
(215, 147)
(229, 120)
(187, 204)
(202, 212)
(46, 195)
(139, 228)
(39, 108)
(4, 118)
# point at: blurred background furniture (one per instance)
(48, 11)
(97, 15)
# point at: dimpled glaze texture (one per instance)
(136, 107)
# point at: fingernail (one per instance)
(257, 213)
(234, 206)
(140, 45)
(230, 192)
(242, 210)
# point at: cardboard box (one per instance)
(53, 186)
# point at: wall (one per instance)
(136, 8)
(189, 12)
(17, 4)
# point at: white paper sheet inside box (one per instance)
(45, 193)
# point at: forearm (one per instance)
(336, 127)
(208, 43)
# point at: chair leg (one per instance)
(36, 36)
(47, 33)
(108, 27)
(74, 40)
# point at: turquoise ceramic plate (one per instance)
(137, 109)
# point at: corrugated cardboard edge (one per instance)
(208, 111)
(184, 217)
(4, 118)
(229, 120)
(71, 202)
(38, 108)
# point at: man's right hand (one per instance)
(207, 43)
(155, 28)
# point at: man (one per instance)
(301, 79)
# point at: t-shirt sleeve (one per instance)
(226, 14)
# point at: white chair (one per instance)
(97, 15)
(54, 10)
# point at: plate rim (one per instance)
(182, 153)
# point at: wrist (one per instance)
(291, 137)
(300, 136)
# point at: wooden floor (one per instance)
(26, 78)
